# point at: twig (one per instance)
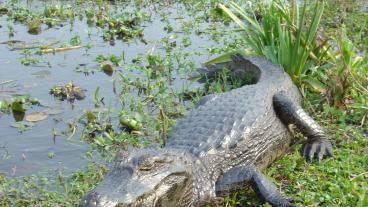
(7, 91)
(11, 42)
(163, 122)
(7, 81)
(60, 49)
(31, 46)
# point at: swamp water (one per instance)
(24, 152)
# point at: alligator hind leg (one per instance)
(238, 177)
(291, 113)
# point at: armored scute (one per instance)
(219, 146)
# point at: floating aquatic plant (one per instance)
(34, 26)
(69, 92)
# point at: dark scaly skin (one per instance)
(218, 147)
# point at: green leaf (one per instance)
(107, 67)
(232, 16)
(4, 105)
(96, 96)
(18, 106)
(223, 58)
(91, 118)
(317, 85)
(21, 98)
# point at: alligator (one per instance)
(218, 147)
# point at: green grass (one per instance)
(337, 181)
(349, 14)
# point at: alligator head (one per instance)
(147, 177)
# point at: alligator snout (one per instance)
(148, 178)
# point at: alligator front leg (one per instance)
(291, 113)
(238, 177)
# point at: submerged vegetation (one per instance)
(152, 88)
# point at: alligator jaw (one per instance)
(169, 192)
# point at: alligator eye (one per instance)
(146, 166)
(148, 163)
(152, 163)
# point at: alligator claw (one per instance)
(318, 148)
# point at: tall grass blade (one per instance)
(233, 16)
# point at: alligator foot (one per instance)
(291, 113)
(318, 147)
(237, 177)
